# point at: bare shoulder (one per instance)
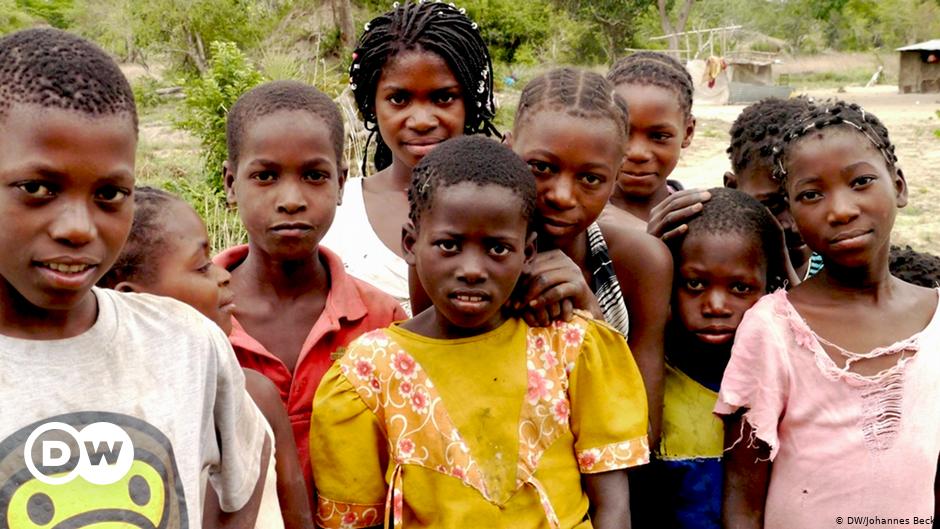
(634, 248)
(615, 216)
(263, 392)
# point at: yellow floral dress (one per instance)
(493, 430)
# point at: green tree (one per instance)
(54, 12)
(12, 17)
(614, 22)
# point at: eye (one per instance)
(37, 189)
(316, 176)
(591, 179)
(446, 98)
(694, 285)
(500, 250)
(204, 269)
(808, 196)
(111, 195)
(398, 99)
(863, 181)
(661, 136)
(741, 289)
(448, 246)
(265, 176)
(540, 168)
(776, 205)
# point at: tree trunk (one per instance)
(342, 17)
(669, 28)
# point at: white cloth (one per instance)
(365, 255)
(166, 380)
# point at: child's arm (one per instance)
(291, 489)
(609, 494)
(245, 517)
(747, 474)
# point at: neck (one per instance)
(285, 279)
(574, 247)
(639, 207)
(432, 324)
(703, 363)
(19, 318)
(399, 174)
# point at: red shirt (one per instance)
(353, 307)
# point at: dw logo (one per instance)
(102, 453)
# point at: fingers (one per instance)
(675, 209)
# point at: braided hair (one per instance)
(757, 128)
(830, 113)
(576, 92)
(475, 160)
(54, 69)
(657, 69)
(431, 26)
(733, 211)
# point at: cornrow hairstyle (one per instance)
(915, 267)
(657, 69)
(138, 260)
(757, 128)
(576, 92)
(472, 159)
(732, 211)
(54, 69)
(430, 26)
(268, 98)
(827, 114)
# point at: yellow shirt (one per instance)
(493, 430)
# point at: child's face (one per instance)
(575, 163)
(843, 196)
(659, 130)
(757, 180)
(719, 277)
(67, 180)
(418, 104)
(470, 262)
(185, 270)
(287, 183)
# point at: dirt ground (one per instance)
(911, 120)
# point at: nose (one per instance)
(559, 193)
(221, 275)
(290, 197)
(75, 225)
(637, 151)
(422, 118)
(471, 269)
(843, 208)
(715, 304)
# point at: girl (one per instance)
(462, 416)
(421, 74)
(831, 397)
(167, 254)
(658, 92)
(731, 255)
(570, 129)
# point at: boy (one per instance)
(113, 405)
(296, 307)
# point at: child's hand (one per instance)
(668, 218)
(792, 278)
(551, 288)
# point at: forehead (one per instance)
(757, 180)
(486, 210)
(575, 139)
(831, 150)
(181, 222)
(286, 135)
(722, 253)
(417, 69)
(650, 104)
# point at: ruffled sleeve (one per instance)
(608, 404)
(349, 454)
(757, 378)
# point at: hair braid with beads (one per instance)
(757, 129)
(436, 27)
(657, 69)
(827, 114)
(576, 92)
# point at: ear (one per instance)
(341, 180)
(128, 286)
(731, 180)
(507, 139)
(689, 132)
(409, 236)
(530, 248)
(900, 187)
(228, 180)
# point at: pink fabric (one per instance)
(841, 444)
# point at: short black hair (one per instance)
(818, 116)
(472, 159)
(757, 128)
(730, 211)
(919, 268)
(430, 26)
(657, 69)
(574, 91)
(54, 69)
(274, 96)
(138, 259)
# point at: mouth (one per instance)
(470, 300)
(638, 175)
(291, 229)
(421, 147)
(850, 239)
(557, 225)
(716, 335)
(67, 273)
(227, 304)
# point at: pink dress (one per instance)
(842, 444)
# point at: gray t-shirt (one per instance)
(123, 420)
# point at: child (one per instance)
(570, 129)
(113, 404)
(420, 75)
(295, 304)
(731, 255)
(831, 392)
(462, 416)
(658, 92)
(753, 135)
(167, 254)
